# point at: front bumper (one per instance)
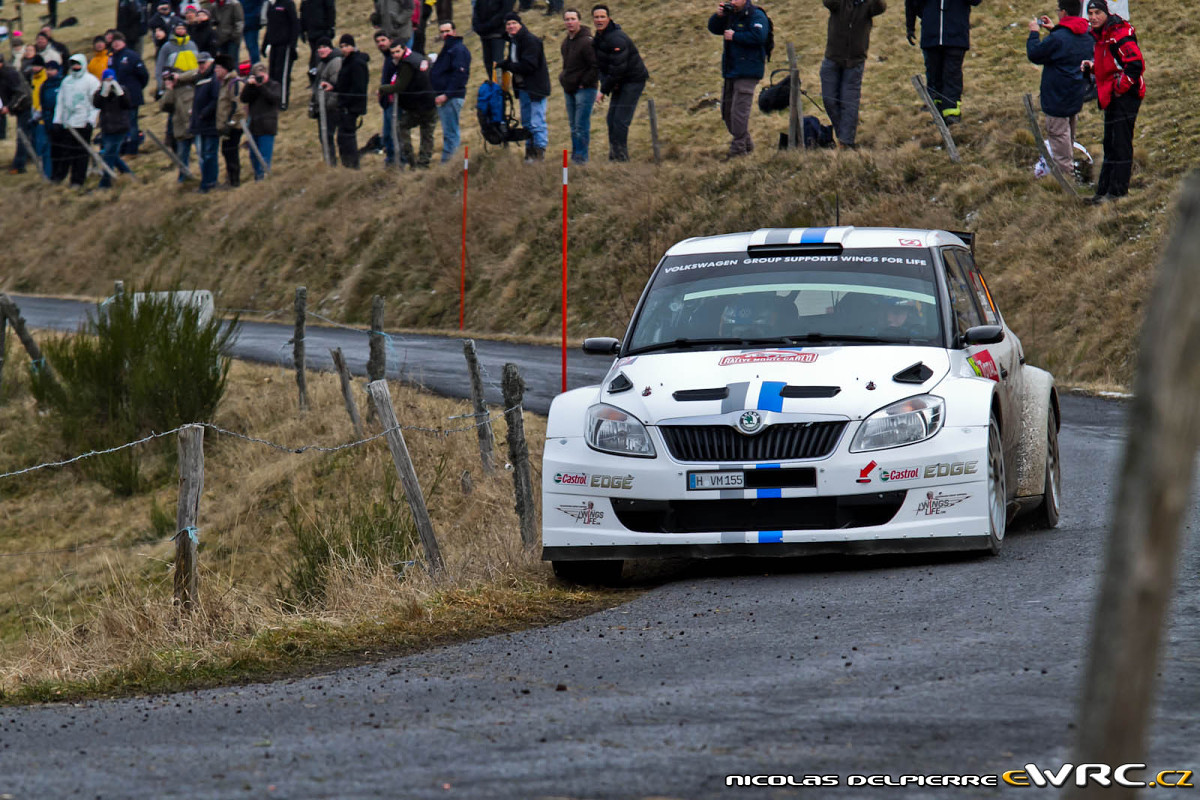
(930, 496)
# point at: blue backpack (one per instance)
(494, 107)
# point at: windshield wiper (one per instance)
(836, 337)
(684, 344)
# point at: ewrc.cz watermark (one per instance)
(1030, 775)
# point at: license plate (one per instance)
(716, 480)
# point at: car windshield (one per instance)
(860, 296)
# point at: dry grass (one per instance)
(99, 617)
(1071, 280)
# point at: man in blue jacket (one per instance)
(945, 40)
(133, 77)
(1063, 83)
(744, 28)
(204, 116)
(449, 78)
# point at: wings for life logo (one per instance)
(937, 503)
(584, 513)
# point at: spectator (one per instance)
(252, 13)
(131, 21)
(743, 59)
(318, 20)
(414, 94)
(229, 24)
(28, 52)
(45, 39)
(100, 55)
(48, 96)
(846, 43)
(261, 95)
(178, 94)
(133, 77)
(526, 61)
(487, 20)
(179, 54)
(579, 80)
(75, 111)
(189, 14)
(113, 104)
(37, 131)
(387, 101)
(1060, 54)
(449, 78)
(229, 117)
(202, 32)
(16, 101)
(283, 31)
(1118, 65)
(622, 77)
(394, 18)
(945, 39)
(353, 81)
(329, 64)
(204, 120)
(161, 25)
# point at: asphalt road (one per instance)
(848, 666)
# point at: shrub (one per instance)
(133, 370)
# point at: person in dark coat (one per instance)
(945, 39)
(318, 20)
(414, 94)
(283, 31)
(353, 81)
(487, 20)
(847, 39)
(1066, 47)
(252, 21)
(204, 120)
(743, 61)
(526, 61)
(134, 78)
(261, 96)
(114, 103)
(579, 81)
(203, 34)
(131, 21)
(623, 76)
(449, 77)
(49, 97)
(16, 101)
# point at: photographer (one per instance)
(261, 95)
(1066, 47)
(744, 28)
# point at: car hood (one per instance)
(849, 381)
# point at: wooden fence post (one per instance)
(9, 309)
(298, 345)
(481, 410)
(1154, 494)
(518, 453)
(326, 150)
(396, 133)
(183, 168)
(1036, 130)
(96, 159)
(3, 342)
(187, 536)
(37, 160)
(381, 398)
(795, 128)
(938, 121)
(654, 130)
(339, 363)
(377, 344)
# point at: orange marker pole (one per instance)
(462, 263)
(564, 276)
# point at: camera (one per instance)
(728, 8)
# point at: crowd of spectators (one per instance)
(211, 98)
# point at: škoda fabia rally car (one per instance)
(811, 390)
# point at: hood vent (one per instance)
(917, 373)
(620, 384)
(810, 391)
(688, 395)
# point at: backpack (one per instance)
(769, 46)
(777, 96)
(816, 134)
(494, 108)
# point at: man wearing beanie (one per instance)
(229, 116)
(325, 74)
(945, 39)
(526, 61)
(623, 76)
(133, 77)
(1118, 66)
(353, 80)
(113, 103)
(1063, 84)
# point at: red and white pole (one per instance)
(564, 276)
(462, 263)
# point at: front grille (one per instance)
(776, 443)
(767, 514)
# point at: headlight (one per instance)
(908, 421)
(611, 430)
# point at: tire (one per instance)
(588, 573)
(1046, 515)
(997, 483)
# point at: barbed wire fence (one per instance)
(190, 438)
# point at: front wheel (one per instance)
(1047, 514)
(588, 573)
(997, 482)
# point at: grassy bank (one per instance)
(1070, 279)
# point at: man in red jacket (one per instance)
(1118, 66)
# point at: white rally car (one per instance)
(809, 390)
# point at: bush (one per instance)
(132, 371)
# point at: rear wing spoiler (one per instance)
(968, 238)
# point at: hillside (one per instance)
(1071, 279)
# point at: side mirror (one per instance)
(984, 334)
(601, 346)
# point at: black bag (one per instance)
(816, 134)
(777, 96)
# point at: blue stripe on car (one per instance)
(769, 398)
(814, 236)
(767, 537)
